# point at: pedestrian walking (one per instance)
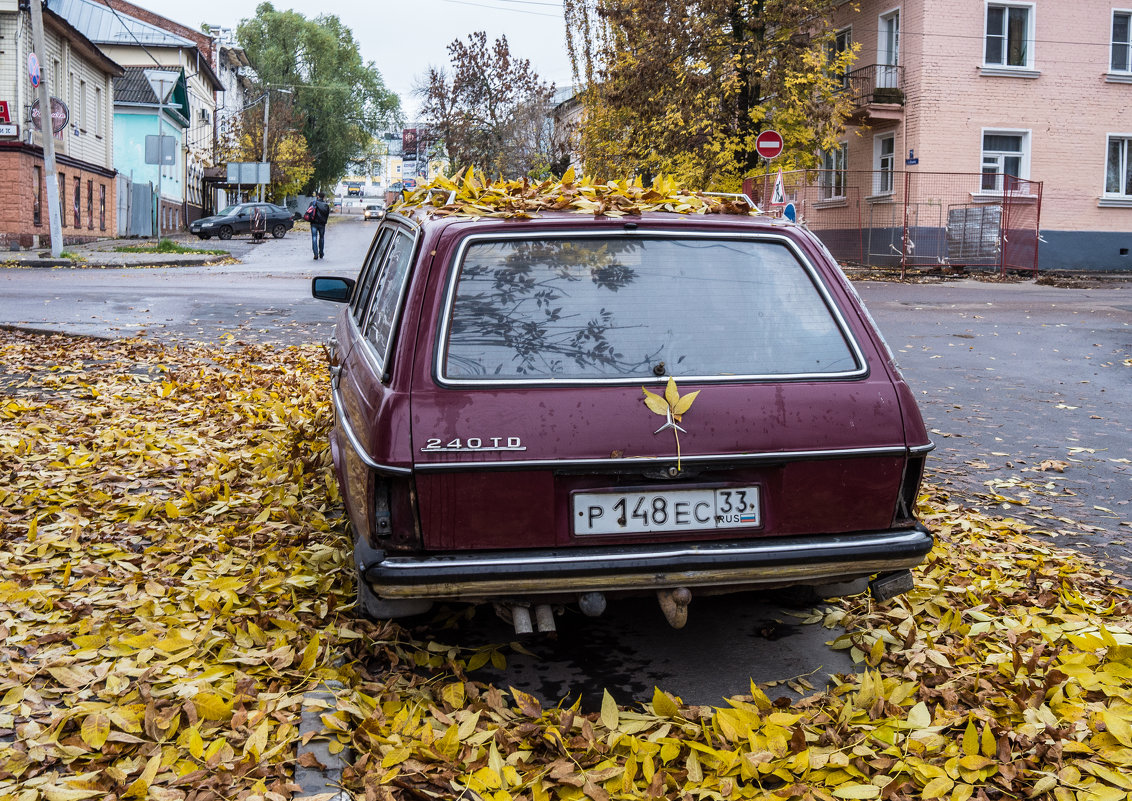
(318, 225)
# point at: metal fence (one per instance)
(913, 220)
(135, 207)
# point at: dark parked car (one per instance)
(514, 416)
(238, 220)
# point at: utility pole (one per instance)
(266, 114)
(47, 134)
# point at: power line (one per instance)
(500, 8)
(133, 35)
(531, 3)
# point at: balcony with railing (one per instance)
(877, 92)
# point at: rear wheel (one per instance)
(225, 232)
(279, 230)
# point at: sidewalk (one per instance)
(101, 254)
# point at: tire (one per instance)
(279, 230)
(225, 232)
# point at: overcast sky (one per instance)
(404, 38)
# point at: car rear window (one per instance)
(584, 308)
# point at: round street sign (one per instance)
(769, 144)
(33, 70)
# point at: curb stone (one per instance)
(95, 263)
(323, 784)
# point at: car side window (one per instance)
(387, 295)
(368, 278)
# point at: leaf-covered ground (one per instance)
(174, 575)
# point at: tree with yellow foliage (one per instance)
(291, 164)
(683, 87)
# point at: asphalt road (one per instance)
(1008, 376)
(1015, 377)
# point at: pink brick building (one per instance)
(1040, 90)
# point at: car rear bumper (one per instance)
(735, 564)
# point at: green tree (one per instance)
(241, 139)
(342, 100)
(685, 86)
(491, 111)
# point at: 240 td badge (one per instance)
(473, 445)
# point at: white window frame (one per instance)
(884, 174)
(1026, 70)
(1120, 199)
(829, 181)
(1113, 75)
(1024, 156)
(834, 51)
(886, 57)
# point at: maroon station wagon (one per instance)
(493, 443)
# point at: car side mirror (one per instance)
(243, 214)
(339, 290)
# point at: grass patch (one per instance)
(167, 246)
(66, 254)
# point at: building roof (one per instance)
(84, 45)
(104, 25)
(133, 88)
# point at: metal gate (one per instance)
(141, 210)
(923, 220)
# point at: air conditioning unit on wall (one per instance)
(205, 116)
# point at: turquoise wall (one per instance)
(130, 131)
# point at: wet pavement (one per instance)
(1016, 381)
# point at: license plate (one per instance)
(669, 510)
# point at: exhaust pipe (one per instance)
(521, 618)
(544, 618)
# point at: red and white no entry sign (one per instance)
(769, 144)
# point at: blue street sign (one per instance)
(790, 212)
(33, 70)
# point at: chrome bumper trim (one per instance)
(767, 562)
(639, 462)
(355, 443)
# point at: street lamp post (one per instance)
(266, 114)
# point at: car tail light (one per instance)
(395, 526)
(909, 489)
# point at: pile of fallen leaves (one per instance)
(469, 195)
(171, 560)
(173, 576)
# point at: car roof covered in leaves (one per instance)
(434, 223)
